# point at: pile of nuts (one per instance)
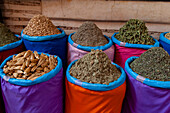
(29, 66)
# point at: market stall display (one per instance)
(35, 90)
(148, 82)
(41, 35)
(132, 40)
(99, 88)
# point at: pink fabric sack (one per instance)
(76, 51)
(125, 50)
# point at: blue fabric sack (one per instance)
(165, 43)
(52, 44)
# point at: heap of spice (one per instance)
(167, 35)
(153, 64)
(29, 66)
(6, 36)
(89, 34)
(134, 32)
(40, 25)
(95, 67)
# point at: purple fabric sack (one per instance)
(142, 97)
(41, 97)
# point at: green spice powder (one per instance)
(95, 67)
(153, 64)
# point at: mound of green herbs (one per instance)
(153, 64)
(134, 32)
(6, 36)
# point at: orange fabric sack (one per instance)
(83, 97)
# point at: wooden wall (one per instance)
(109, 15)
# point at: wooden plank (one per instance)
(16, 30)
(101, 25)
(23, 2)
(107, 10)
(19, 14)
(21, 7)
(11, 22)
(112, 25)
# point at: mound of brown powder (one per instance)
(89, 34)
(40, 25)
(95, 67)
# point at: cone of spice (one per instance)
(6, 36)
(89, 34)
(29, 66)
(134, 32)
(40, 25)
(95, 67)
(153, 64)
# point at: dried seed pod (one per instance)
(40, 62)
(5, 66)
(5, 70)
(24, 77)
(34, 60)
(32, 64)
(33, 78)
(36, 55)
(27, 70)
(34, 68)
(52, 66)
(9, 63)
(19, 76)
(23, 66)
(33, 75)
(44, 64)
(39, 69)
(32, 56)
(46, 70)
(17, 67)
(15, 75)
(20, 54)
(38, 73)
(42, 73)
(19, 71)
(27, 53)
(20, 62)
(13, 58)
(27, 62)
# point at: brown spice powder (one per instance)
(40, 25)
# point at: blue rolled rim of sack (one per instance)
(97, 87)
(88, 48)
(162, 38)
(11, 45)
(43, 38)
(152, 83)
(142, 46)
(40, 79)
